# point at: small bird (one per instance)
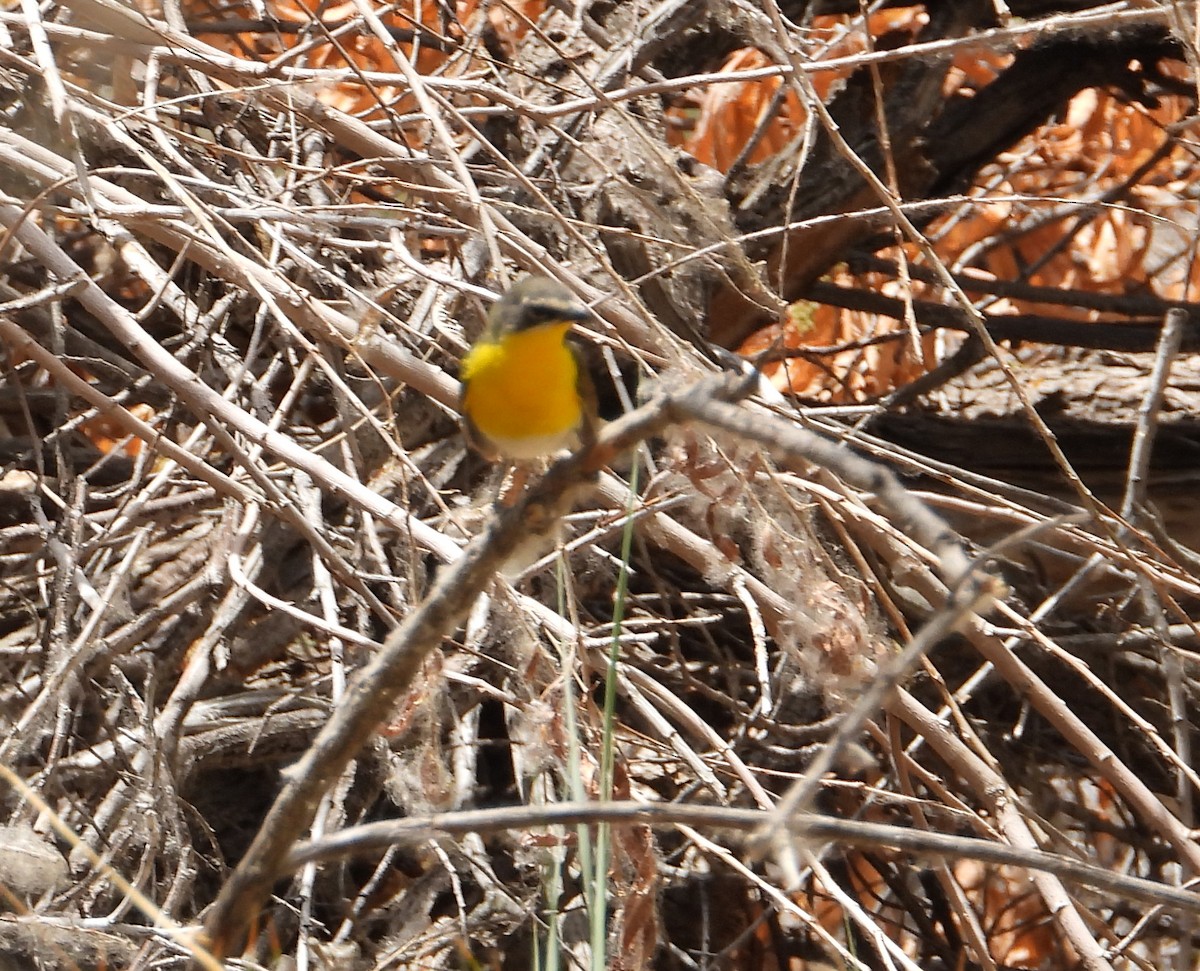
(525, 390)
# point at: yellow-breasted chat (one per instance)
(525, 390)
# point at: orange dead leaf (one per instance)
(107, 433)
(314, 30)
(1019, 930)
(731, 112)
(851, 375)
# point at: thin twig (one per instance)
(371, 838)
(1166, 350)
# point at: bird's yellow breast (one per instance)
(521, 390)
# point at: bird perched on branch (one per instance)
(525, 390)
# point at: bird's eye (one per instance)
(541, 314)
